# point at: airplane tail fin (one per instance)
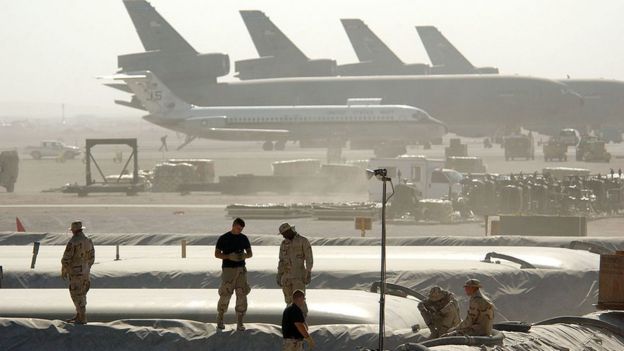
(153, 94)
(268, 38)
(155, 32)
(367, 45)
(441, 52)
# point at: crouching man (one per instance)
(440, 311)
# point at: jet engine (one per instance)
(272, 67)
(176, 66)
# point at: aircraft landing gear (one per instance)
(267, 146)
(280, 145)
(187, 140)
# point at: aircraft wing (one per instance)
(268, 39)
(367, 45)
(155, 32)
(248, 134)
(440, 51)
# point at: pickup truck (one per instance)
(52, 148)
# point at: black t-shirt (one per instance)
(292, 314)
(229, 243)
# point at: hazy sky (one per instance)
(51, 50)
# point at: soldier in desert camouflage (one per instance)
(440, 311)
(76, 266)
(480, 318)
(294, 270)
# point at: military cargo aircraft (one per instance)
(471, 105)
(603, 107)
(380, 127)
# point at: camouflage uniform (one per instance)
(440, 311)
(76, 263)
(233, 280)
(480, 317)
(291, 273)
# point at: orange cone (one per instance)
(19, 225)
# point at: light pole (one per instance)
(382, 175)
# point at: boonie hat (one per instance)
(76, 225)
(435, 294)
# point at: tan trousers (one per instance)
(78, 287)
(292, 345)
(233, 280)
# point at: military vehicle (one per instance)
(9, 169)
(456, 148)
(472, 105)
(53, 148)
(519, 146)
(592, 149)
(569, 137)
(378, 127)
(555, 148)
(426, 175)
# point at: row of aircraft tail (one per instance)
(471, 101)
(280, 57)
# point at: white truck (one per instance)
(53, 148)
(427, 175)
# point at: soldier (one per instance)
(76, 265)
(440, 311)
(480, 315)
(233, 248)
(292, 274)
(294, 327)
(163, 143)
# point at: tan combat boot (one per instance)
(72, 319)
(220, 324)
(81, 318)
(239, 325)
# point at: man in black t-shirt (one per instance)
(233, 248)
(294, 327)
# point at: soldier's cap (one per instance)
(472, 283)
(436, 294)
(76, 225)
(284, 227)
